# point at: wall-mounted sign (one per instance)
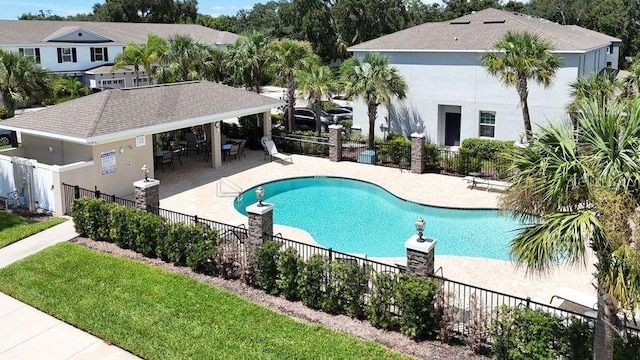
(141, 141)
(108, 162)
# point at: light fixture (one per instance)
(217, 124)
(145, 172)
(260, 195)
(50, 148)
(121, 150)
(420, 228)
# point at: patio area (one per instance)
(193, 188)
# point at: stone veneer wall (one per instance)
(147, 197)
(420, 263)
(417, 153)
(335, 142)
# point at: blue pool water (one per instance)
(358, 217)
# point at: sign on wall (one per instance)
(108, 162)
(141, 141)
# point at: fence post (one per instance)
(260, 224)
(76, 192)
(417, 153)
(147, 194)
(330, 254)
(420, 255)
(195, 219)
(96, 192)
(335, 142)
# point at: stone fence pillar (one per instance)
(417, 153)
(147, 193)
(420, 256)
(335, 142)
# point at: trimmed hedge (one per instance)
(486, 149)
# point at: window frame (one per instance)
(69, 55)
(481, 124)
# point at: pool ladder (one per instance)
(227, 188)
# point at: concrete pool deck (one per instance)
(196, 188)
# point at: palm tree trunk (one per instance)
(603, 336)
(291, 100)
(136, 69)
(372, 111)
(9, 104)
(524, 94)
(318, 106)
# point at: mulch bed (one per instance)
(296, 310)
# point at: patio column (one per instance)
(216, 145)
(335, 142)
(420, 256)
(417, 153)
(147, 193)
(266, 124)
(260, 223)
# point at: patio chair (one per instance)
(272, 151)
(242, 144)
(167, 158)
(192, 143)
(235, 151)
(177, 153)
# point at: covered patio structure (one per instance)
(103, 140)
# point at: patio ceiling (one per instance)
(118, 114)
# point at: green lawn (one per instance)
(15, 227)
(160, 315)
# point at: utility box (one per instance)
(367, 157)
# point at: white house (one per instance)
(86, 49)
(452, 97)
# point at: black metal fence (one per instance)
(303, 144)
(395, 154)
(464, 304)
(462, 163)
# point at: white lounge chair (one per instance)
(271, 150)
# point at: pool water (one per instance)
(361, 218)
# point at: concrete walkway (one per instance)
(28, 333)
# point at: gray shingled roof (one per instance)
(109, 114)
(22, 32)
(480, 30)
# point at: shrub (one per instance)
(347, 286)
(522, 333)
(486, 149)
(289, 265)
(267, 267)
(149, 228)
(312, 281)
(432, 155)
(416, 303)
(578, 340)
(203, 249)
(626, 350)
(175, 246)
(122, 225)
(90, 217)
(347, 124)
(396, 149)
(382, 301)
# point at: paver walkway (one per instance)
(28, 333)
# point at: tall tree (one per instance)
(145, 55)
(373, 80)
(310, 20)
(579, 190)
(318, 83)
(158, 11)
(20, 79)
(248, 59)
(631, 83)
(600, 87)
(520, 57)
(64, 88)
(184, 56)
(288, 57)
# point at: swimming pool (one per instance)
(362, 218)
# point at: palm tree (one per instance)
(184, 56)
(20, 78)
(64, 89)
(631, 84)
(145, 55)
(521, 57)
(317, 82)
(580, 189)
(288, 57)
(373, 80)
(213, 64)
(247, 60)
(599, 87)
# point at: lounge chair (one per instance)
(271, 150)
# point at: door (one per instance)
(452, 129)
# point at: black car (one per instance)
(342, 113)
(5, 138)
(306, 119)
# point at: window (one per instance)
(143, 81)
(608, 64)
(33, 53)
(118, 83)
(99, 54)
(487, 124)
(610, 49)
(67, 55)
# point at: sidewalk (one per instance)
(28, 333)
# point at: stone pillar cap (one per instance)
(141, 184)
(259, 210)
(336, 126)
(417, 135)
(426, 246)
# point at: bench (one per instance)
(490, 184)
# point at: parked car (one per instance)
(306, 119)
(341, 100)
(5, 137)
(342, 113)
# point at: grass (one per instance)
(160, 315)
(15, 227)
